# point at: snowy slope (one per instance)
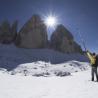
(11, 56)
(26, 61)
(18, 68)
(47, 69)
(75, 86)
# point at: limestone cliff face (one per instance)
(7, 32)
(33, 34)
(62, 40)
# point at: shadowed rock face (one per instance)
(62, 40)
(8, 33)
(33, 34)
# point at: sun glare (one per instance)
(51, 21)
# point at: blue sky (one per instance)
(77, 15)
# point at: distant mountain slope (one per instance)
(11, 56)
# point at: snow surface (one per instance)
(78, 85)
(34, 73)
(40, 68)
(11, 56)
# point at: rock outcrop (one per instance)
(62, 40)
(14, 30)
(7, 33)
(33, 34)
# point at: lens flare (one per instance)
(50, 21)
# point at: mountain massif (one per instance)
(34, 35)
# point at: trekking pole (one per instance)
(82, 41)
(84, 46)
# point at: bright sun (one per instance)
(51, 21)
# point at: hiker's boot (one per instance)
(97, 79)
(92, 79)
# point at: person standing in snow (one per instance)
(94, 63)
